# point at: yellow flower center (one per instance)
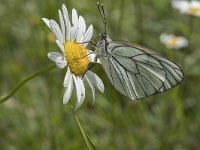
(173, 41)
(76, 56)
(194, 10)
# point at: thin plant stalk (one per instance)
(86, 137)
(28, 78)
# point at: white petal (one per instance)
(54, 55)
(68, 34)
(183, 42)
(46, 21)
(92, 57)
(61, 62)
(80, 91)
(164, 38)
(58, 59)
(92, 87)
(96, 81)
(61, 46)
(68, 77)
(62, 24)
(181, 5)
(80, 34)
(68, 91)
(83, 24)
(74, 31)
(195, 3)
(56, 30)
(67, 22)
(74, 18)
(88, 35)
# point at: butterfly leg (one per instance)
(91, 42)
(93, 64)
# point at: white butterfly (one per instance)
(135, 71)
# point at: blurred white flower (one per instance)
(187, 7)
(172, 41)
(73, 39)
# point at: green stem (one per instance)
(86, 137)
(5, 98)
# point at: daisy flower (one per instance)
(187, 7)
(172, 41)
(72, 39)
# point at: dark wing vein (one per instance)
(147, 64)
(150, 82)
(118, 77)
(150, 72)
(117, 67)
(141, 85)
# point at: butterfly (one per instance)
(133, 70)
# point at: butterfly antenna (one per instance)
(102, 15)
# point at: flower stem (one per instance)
(5, 98)
(86, 137)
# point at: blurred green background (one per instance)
(35, 118)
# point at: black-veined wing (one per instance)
(137, 72)
(174, 74)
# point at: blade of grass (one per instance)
(86, 137)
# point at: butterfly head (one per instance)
(102, 36)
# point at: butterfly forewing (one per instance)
(137, 72)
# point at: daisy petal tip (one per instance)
(65, 100)
(44, 19)
(91, 26)
(101, 88)
(64, 7)
(73, 9)
(48, 54)
(78, 105)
